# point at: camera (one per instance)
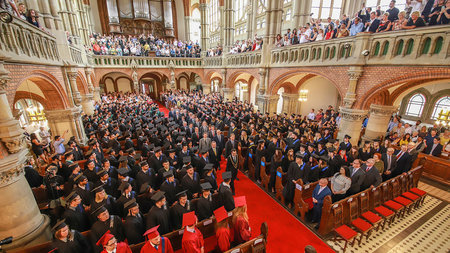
(365, 52)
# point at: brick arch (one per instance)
(55, 95)
(101, 74)
(209, 78)
(412, 79)
(232, 79)
(82, 84)
(26, 95)
(189, 72)
(289, 88)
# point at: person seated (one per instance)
(110, 244)
(319, 193)
(68, 240)
(155, 243)
(192, 241)
(340, 183)
(222, 228)
(435, 149)
(415, 21)
(241, 225)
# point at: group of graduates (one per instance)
(133, 187)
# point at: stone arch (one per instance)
(55, 97)
(411, 79)
(289, 88)
(232, 78)
(82, 85)
(212, 75)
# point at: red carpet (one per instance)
(162, 108)
(286, 233)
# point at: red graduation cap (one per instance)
(105, 238)
(189, 219)
(221, 214)
(152, 232)
(240, 201)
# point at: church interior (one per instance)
(224, 126)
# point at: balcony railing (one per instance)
(248, 59)
(22, 42)
(213, 62)
(108, 61)
(76, 55)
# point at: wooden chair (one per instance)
(388, 202)
(342, 232)
(378, 199)
(303, 202)
(262, 173)
(406, 193)
(256, 245)
(364, 227)
(414, 190)
(279, 184)
(370, 216)
(396, 192)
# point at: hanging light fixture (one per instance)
(444, 118)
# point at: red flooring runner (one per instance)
(162, 108)
(286, 234)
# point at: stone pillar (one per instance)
(168, 19)
(379, 116)
(222, 26)
(87, 104)
(301, 11)
(97, 94)
(206, 88)
(263, 85)
(290, 103)
(74, 93)
(187, 27)
(254, 11)
(245, 96)
(54, 10)
(19, 214)
(351, 123)
(267, 103)
(250, 14)
(224, 82)
(68, 119)
(204, 27)
(228, 93)
(46, 14)
(354, 74)
(228, 25)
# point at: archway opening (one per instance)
(317, 93)
(280, 100)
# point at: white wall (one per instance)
(183, 84)
(124, 85)
(109, 85)
(321, 94)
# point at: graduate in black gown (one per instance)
(134, 225)
(210, 176)
(105, 222)
(100, 198)
(191, 182)
(171, 187)
(205, 208)
(68, 240)
(225, 195)
(75, 216)
(297, 170)
(159, 214)
(182, 206)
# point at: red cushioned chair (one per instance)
(368, 215)
(406, 193)
(380, 195)
(397, 191)
(398, 208)
(413, 189)
(342, 232)
(364, 227)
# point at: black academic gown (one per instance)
(134, 228)
(204, 209)
(77, 218)
(76, 243)
(176, 214)
(192, 185)
(159, 216)
(171, 190)
(226, 197)
(295, 172)
(85, 193)
(113, 224)
(145, 177)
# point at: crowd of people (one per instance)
(175, 160)
(19, 9)
(417, 14)
(142, 45)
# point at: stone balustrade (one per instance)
(248, 59)
(76, 55)
(22, 42)
(109, 61)
(213, 62)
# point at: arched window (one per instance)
(415, 105)
(323, 9)
(214, 15)
(442, 104)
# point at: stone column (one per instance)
(254, 11)
(290, 103)
(351, 123)
(250, 14)
(228, 94)
(229, 25)
(97, 94)
(222, 25)
(379, 116)
(204, 27)
(68, 119)
(187, 27)
(54, 10)
(263, 85)
(354, 74)
(19, 214)
(301, 11)
(46, 14)
(74, 93)
(87, 103)
(168, 19)
(267, 103)
(224, 82)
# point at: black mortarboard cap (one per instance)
(60, 224)
(167, 174)
(71, 196)
(144, 188)
(123, 159)
(130, 150)
(123, 186)
(101, 173)
(158, 196)
(208, 167)
(226, 175)
(99, 210)
(206, 186)
(129, 204)
(186, 159)
(182, 194)
(123, 171)
(97, 189)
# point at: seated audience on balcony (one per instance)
(343, 32)
(32, 18)
(320, 34)
(330, 32)
(444, 15)
(414, 21)
(372, 24)
(435, 12)
(356, 26)
(392, 11)
(385, 24)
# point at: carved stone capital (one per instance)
(72, 76)
(64, 115)
(382, 109)
(14, 144)
(354, 73)
(12, 135)
(3, 84)
(11, 175)
(352, 114)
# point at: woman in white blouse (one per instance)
(340, 183)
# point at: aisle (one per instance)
(286, 233)
(162, 108)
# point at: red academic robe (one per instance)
(242, 232)
(148, 248)
(223, 236)
(122, 247)
(192, 242)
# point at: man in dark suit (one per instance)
(220, 141)
(231, 144)
(214, 155)
(319, 193)
(390, 163)
(357, 176)
(435, 149)
(373, 177)
(232, 166)
(403, 159)
(225, 194)
(372, 24)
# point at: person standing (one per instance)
(222, 228)
(232, 166)
(373, 177)
(357, 177)
(156, 243)
(241, 225)
(225, 194)
(192, 241)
